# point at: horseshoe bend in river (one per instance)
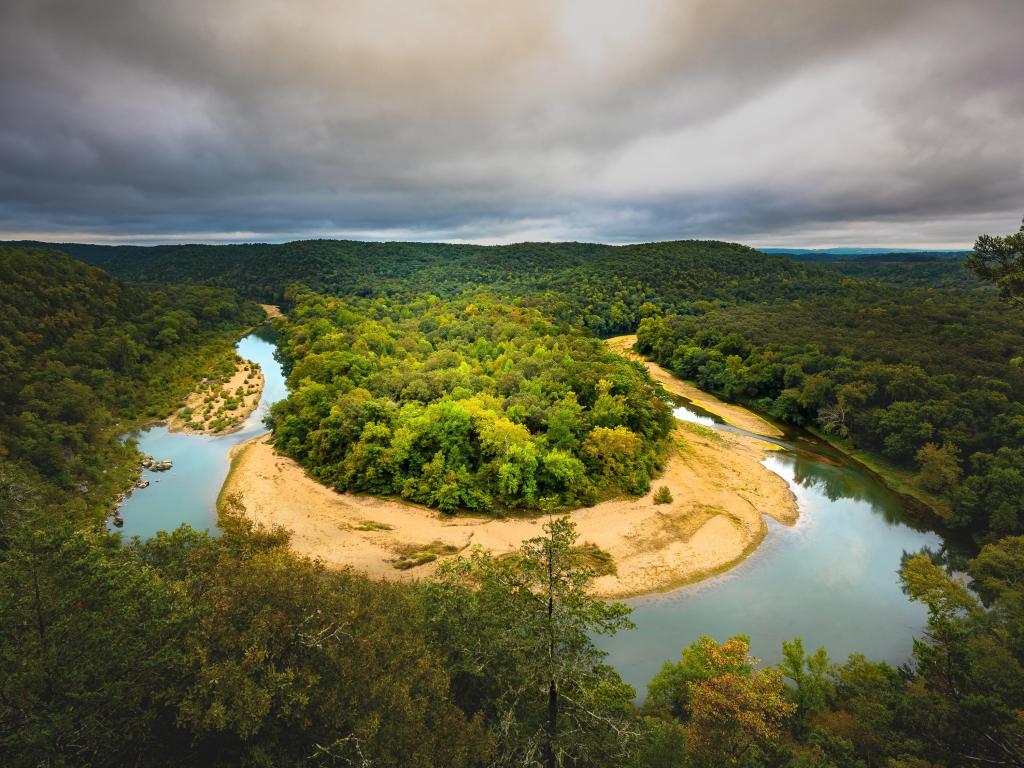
(829, 577)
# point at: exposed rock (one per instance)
(118, 521)
(83, 488)
(142, 484)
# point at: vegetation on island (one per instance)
(464, 404)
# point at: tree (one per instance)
(87, 651)
(518, 632)
(811, 684)
(729, 707)
(1000, 260)
(940, 469)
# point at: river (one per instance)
(831, 578)
(188, 492)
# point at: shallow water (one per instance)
(187, 493)
(830, 579)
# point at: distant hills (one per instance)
(866, 254)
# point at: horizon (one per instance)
(805, 125)
(144, 242)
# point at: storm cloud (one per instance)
(792, 122)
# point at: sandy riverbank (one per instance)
(719, 487)
(272, 310)
(205, 412)
(736, 415)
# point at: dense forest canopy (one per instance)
(84, 356)
(930, 383)
(600, 287)
(467, 403)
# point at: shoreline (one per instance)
(250, 400)
(736, 415)
(931, 511)
(720, 489)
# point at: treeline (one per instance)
(233, 651)
(931, 385)
(463, 404)
(603, 288)
(83, 357)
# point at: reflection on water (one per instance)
(686, 413)
(831, 579)
(187, 493)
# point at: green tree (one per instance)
(1000, 260)
(940, 468)
(809, 675)
(518, 632)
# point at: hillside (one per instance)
(83, 356)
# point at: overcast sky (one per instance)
(771, 122)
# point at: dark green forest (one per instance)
(605, 289)
(189, 649)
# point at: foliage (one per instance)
(1000, 260)
(729, 709)
(519, 637)
(190, 650)
(663, 495)
(83, 356)
(924, 379)
(463, 404)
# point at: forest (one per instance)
(84, 358)
(463, 377)
(466, 404)
(934, 387)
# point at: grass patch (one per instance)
(596, 559)
(414, 555)
(371, 525)
(701, 431)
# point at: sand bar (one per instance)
(736, 415)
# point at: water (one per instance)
(830, 579)
(187, 493)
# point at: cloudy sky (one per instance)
(772, 122)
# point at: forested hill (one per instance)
(601, 287)
(80, 351)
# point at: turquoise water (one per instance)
(187, 493)
(830, 579)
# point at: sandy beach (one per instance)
(720, 493)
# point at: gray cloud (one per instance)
(797, 122)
